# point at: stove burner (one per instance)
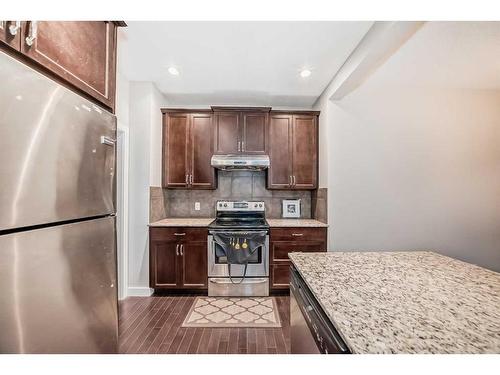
(239, 215)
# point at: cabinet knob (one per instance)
(13, 29)
(30, 39)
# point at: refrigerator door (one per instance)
(57, 151)
(59, 289)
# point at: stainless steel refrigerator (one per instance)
(58, 291)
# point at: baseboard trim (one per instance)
(139, 291)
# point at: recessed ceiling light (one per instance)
(304, 73)
(173, 70)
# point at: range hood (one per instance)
(240, 162)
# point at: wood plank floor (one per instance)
(153, 325)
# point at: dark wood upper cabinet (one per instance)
(280, 151)
(191, 137)
(187, 150)
(201, 151)
(227, 132)
(80, 54)
(293, 150)
(10, 33)
(254, 132)
(241, 130)
(305, 152)
(175, 150)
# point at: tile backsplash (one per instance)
(231, 186)
(319, 204)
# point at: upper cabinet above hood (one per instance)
(240, 162)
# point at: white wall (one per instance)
(413, 165)
(417, 169)
(144, 170)
(157, 101)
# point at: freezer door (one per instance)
(56, 149)
(59, 289)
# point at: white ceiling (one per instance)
(245, 63)
(447, 55)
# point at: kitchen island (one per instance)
(405, 302)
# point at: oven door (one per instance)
(258, 265)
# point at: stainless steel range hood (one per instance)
(240, 162)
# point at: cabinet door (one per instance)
(194, 265)
(6, 35)
(305, 152)
(201, 150)
(227, 133)
(164, 264)
(280, 276)
(175, 136)
(280, 138)
(254, 132)
(81, 52)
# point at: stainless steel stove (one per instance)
(237, 222)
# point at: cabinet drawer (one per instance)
(298, 234)
(178, 234)
(280, 249)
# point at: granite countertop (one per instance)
(203, 222)
(406, 302)
(182, 222)
(277, 223)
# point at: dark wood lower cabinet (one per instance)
(178, 258)
(166, 266)
(286, 240)
(194, 264)
(280, 276)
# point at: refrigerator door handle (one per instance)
(107, 140)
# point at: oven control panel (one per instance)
(241, 206)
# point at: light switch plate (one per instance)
(197, 206)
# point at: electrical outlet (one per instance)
(197, 206)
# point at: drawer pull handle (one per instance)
(297, 234)
(179, 234)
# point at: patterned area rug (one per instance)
(220, 312)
